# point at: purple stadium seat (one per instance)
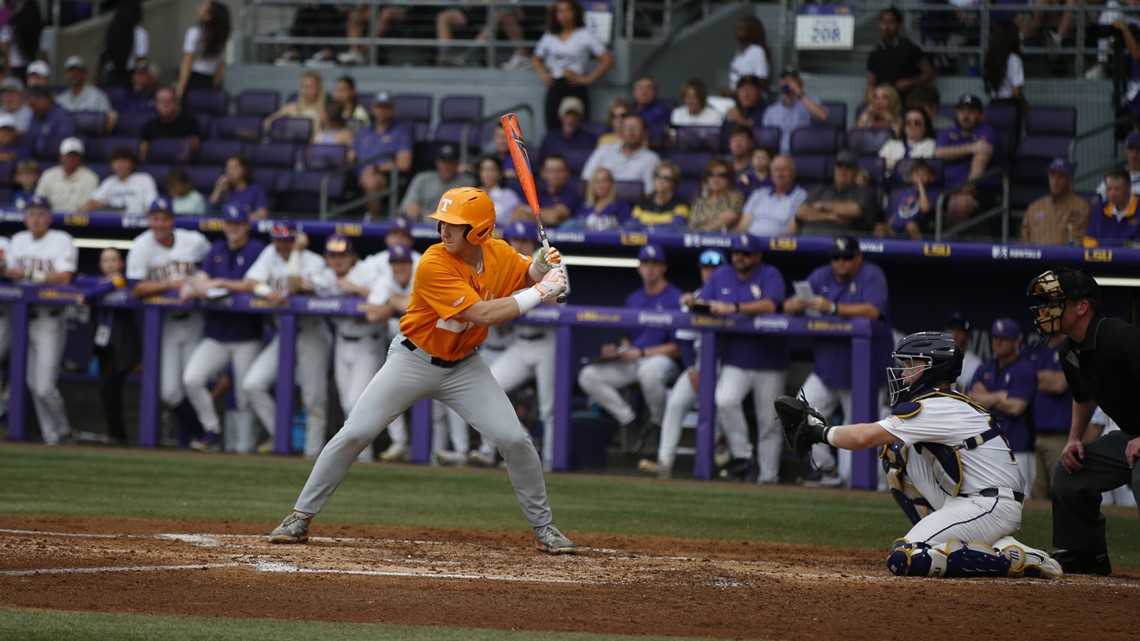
(596, 128)
(119, 96)
(1028, 170)
(237, 128)
(689, 188)
(453, 131)
(366, 100)
(257, 102)
(203, 179)
(698, 138)
(205, 122)
(413, 107)
(169, 150)
(215, 152)
(205, 101)
(575, 158)
(655, 133)
(101, 169)
(692, 163)
(1059, 121)
(1003, 117)
(868, 142)
(813, 170)
(297, 130)
(767, 137)
(325, 156)
(814, 141)
(101, 148)
(7, 170)
(629, 190)
(90, 123)
(836, 116)
(875, 168)
(158, 171)
(460, 108)
(272, 154)
(130, 123)
(304, 195)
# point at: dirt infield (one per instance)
(616, 585)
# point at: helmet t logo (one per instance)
(444, 203)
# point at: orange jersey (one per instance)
(445, 286)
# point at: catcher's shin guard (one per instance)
(951, 560)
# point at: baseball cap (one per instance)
(39, 68)
(397, 253)
(970, 100)
(571, 103)
(399, 223)
(745, 243)
(283, 231)
(235, 214)
(1005, 328)
(790, 71)
(847, 158)
(749, 80)
(7, 120)
(956, 320)
(12, 83)
(447, 151)
(337, 244)
(521, 229)
(844, 247)
(36, 202)
(383, 98)
(75, 62)
(652, 252)
(711, 258)
(71, 145)
(161, 204)
(1062, 165)
(1133, 139)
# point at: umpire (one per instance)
(1101, 361)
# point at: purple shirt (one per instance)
(556, 143)
(668, 300)
(833, 355)
(253, 196)
(904, 208)
(568, 196)
(137, 102)
(1107, 230)
(613, 216)
(1019, 379)
(655, 113)
(749, 351)
(955, 172)
(376, 147)
(57, 123)
(222, 262)
(747, 182)
(1051, 412)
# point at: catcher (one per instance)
(948, 465)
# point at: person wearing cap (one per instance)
(751, 58)
(896, 61)
(794, 110)
(81, 95)
(1131, 165)
(236, 187)
(654, 111)
(1005, 385)
(966, 150)
(69, 184)
(1101, 361)
(841, 207)
(683, 395)
(41, 255)
(380, 149)
(144, 88)
(161, 261)
(561, 55)
(125, 190)
(848, 287)
(771, 210)
(399, 232)
(287, 268)
(10, 151)
(648, 357)
(569, 136)
(49, 120)
(1052, 409)
(629, 159)
(748, 102)
(39, 74)
(663, 208)
(1061, 217)
(232, 340)
(12, 102)
(958, 326)
(1114, 221)
(169, 122)
(427, 187)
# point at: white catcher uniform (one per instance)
(55, 251)
(312, 354)
(181, 330)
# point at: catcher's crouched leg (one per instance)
(914, 505)
(950, 560)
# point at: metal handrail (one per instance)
(1001, 208)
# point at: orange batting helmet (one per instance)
(468, 206)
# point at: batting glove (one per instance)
(544, 261)
(552, 285)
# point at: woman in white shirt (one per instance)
(1003, 71)
(203, 49)
(695, 110)
(125, 45)
(561, 55)
(916, 140)
(752, 57)
(491, 180)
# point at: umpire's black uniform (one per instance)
(1104, 367)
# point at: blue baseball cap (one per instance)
(283, 230)
(521, 229)
(1005, 328)
(399, 223)
(161, 204)
(337, 244)
(652, 252)
(399, 253)
(711, 258)
(36, 202)
(957, 320)
(745, 243)
(844, 247)
(235, 214)
(1062, 165)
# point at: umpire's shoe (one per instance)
(294, 529)
(1082, 562)
(548, 538)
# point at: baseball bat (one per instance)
(521, 159)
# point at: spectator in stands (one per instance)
(508, 22)
(39, 74)
(335, 130)
(750, 105)
(185, 200)
(383, 146)
(619, 109)
(126, 45)
(1059, 218)
(125, 190)
(169, 123)
(81, 95)
(1006, 386)
(116, 344)
(357, 27)
(1062, 23)
(758, 174)
(310, 103)
(694, 109)
(144, 88)
(49, 120)
(561, 55)
(13, 104)
(1052, 410)
(570, 136)
(203, 48)
(794, 109)
(647, 356)
(558, 196)
(929, 100)
(26, 179)
(491, 180)
(1132, 165)
(68, 185)
(741, 143)
(663, 208)
(21, 39)
(908, 215)
(11, 150)
(848, 287)
(427, 187)
(319, 20)
(751, 57)
(353, 113)
(450, 19)
(916, 140)
(498, 148)
(771, 210)
(884, 111)
(841, 207)
(718, 207)
(967, 151)
(1003, 71)
(958, 326)
(896, 61)
(1114, 221)
(236, 187)
(645, 103)
(603, 210)
(629, 159)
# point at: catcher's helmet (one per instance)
(942, 363)
(468, 206)
(1051, 289)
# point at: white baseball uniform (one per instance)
(55, 251)
(181, 330)
(312, 354)
(531, 356)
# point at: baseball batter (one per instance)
(948, 464)
(164, 259)
(44, 256)
(464, 286)
(277, 274)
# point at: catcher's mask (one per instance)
(1051, 289)
(922, 362)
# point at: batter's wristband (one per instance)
(527, 300)
(262, 290)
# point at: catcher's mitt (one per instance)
(803, 424)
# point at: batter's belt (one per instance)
(434, 360)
